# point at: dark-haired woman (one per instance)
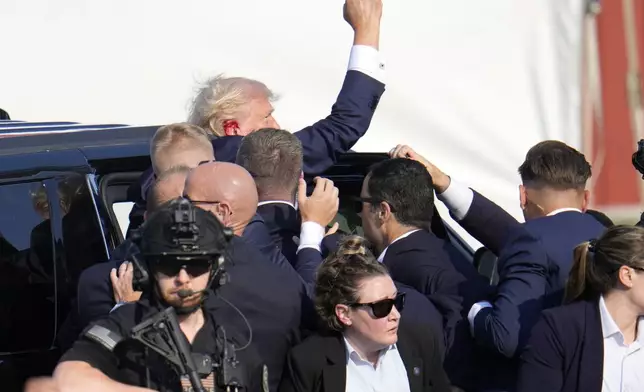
(367, 348)
(595, 343)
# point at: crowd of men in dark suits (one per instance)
(250, 176)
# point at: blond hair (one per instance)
(220, 99)
(174, 138)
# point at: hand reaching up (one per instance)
(322, 206)
(441, 180)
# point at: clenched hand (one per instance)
(322, 206)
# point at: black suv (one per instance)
(58, 196)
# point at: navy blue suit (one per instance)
(283, 223)
(305, 262)
(534, 262)
(436, 269)
(565, 352)
(322, 142)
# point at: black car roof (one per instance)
(26, 146)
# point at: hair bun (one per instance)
(354, 245)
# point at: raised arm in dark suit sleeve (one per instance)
(504, 325)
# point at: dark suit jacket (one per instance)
(322, 142)
(565, 352)
(534, 261)
(435, 268)
(319, 364)
(305, 262)
(283, 223)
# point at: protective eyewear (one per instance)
(172, 266)
(383, 307)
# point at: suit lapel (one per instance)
(413, 364)
(591, 369)
(334, 375)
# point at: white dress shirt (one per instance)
(389, 374)
(367, 60)
(623, 364)
(407, 234)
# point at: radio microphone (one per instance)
(185, 293)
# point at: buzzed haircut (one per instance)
(175, 138)
(273, 157)
(153, 199)
(554, 164)
(407, 187)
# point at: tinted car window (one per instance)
(81, 230)
(27, 300)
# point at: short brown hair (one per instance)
(273, 157)
(597, 262)
(556, 165)
(339, 278)
(177, 137)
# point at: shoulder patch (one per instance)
(103, 336)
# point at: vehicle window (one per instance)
(82, 233)
(122, 212)
(27, 300)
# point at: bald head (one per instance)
(166, 187)
(227, 190)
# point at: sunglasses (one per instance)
(358, 201)
(383, 307)
(172, 266)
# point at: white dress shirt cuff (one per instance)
(457, 198)
(311, 236)
(367, 60)
(476, 308)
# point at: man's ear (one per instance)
(523, 197)
(225, 212)
(384, 211)
(342, 313)
(145, 215)
(586, 200)
(231, 127)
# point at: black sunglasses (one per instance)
(383, 307)
(199, 201)
(373, 201)
(171, 266)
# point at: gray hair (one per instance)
(221, 98)
(274, 158)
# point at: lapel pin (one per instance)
(416, 371)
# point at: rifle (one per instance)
(162, 334)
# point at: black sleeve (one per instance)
(94, 353)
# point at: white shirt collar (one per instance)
(261, 203)
(352, 354)
(407, 234)
(610, 328)
(555, 212)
